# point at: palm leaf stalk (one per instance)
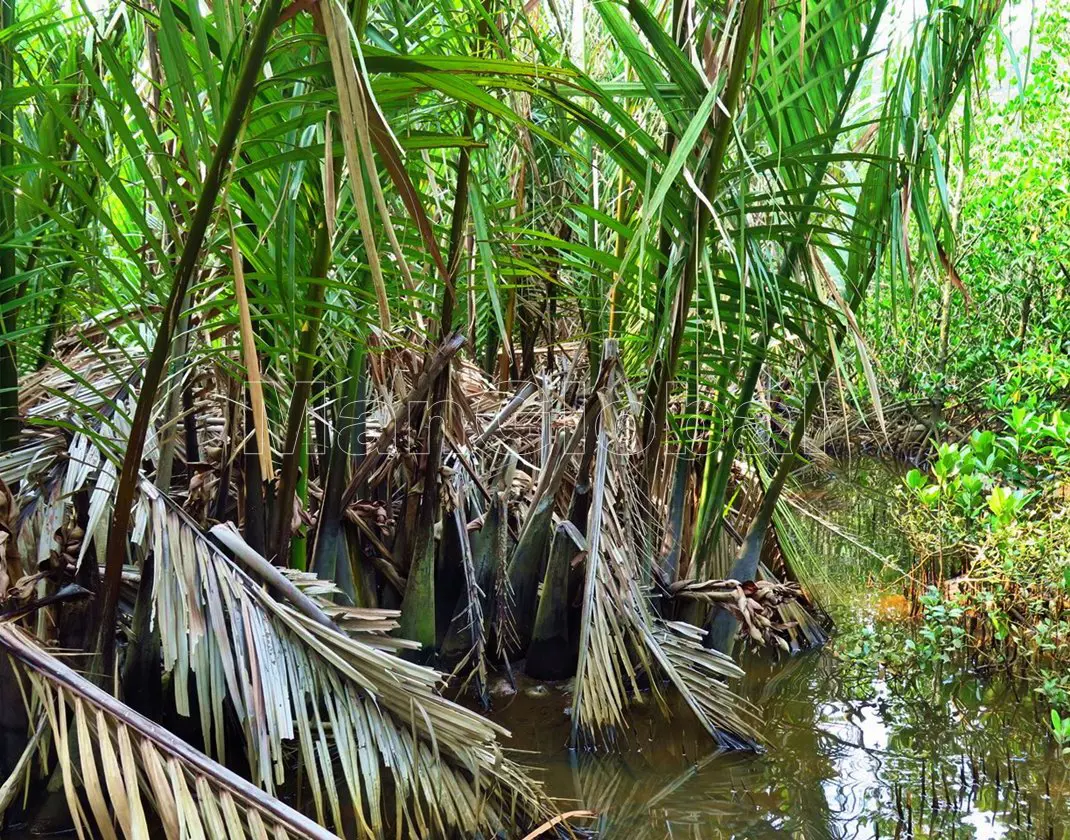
(130, 767)
(418, 607)
(750, 552)
(657, 393)
(9, 372)
(157, 361)
(296, 423)
(330, 547)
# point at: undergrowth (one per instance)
(989, 523)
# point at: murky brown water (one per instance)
(853, 752)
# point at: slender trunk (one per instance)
(299, 542)
(330, 551)
(255, 482)
(945, 310)
(259, 466)
(940, 393)
(418, 607)
(189, 423)
(528, 320)
(713, 505)
(593, 322)
(9, 371)
(723, 629)
(675, 532)
(233, 413)
(213, 182)
(621, 248)
(553, 291)
(1023, 322)
(656, 401)
(945, 328)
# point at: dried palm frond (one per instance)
(131, 769)
(473, 595)
(621, 639)
(290, 677)
(410, 760)
(754, 604)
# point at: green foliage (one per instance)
(1060, 727)
(990, 479)
(941, 634)
(1036, 377)
(993, 511)
(964, 480)
(1010, 199)
(937, 639)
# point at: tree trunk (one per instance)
(9, 370)
(126, 488)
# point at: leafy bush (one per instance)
(996, 505)
(989, 480)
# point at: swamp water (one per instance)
(853, 751)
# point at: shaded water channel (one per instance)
(853, 751)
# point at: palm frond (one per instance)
(325, 678)
(292, 679)
(135, 777)
(622, 641)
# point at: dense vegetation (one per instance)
(984, 369)
(344, 341)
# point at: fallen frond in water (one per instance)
(623, 644)
(292, 678)
(372, 732)
(131, 768)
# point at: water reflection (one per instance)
(853, 752)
